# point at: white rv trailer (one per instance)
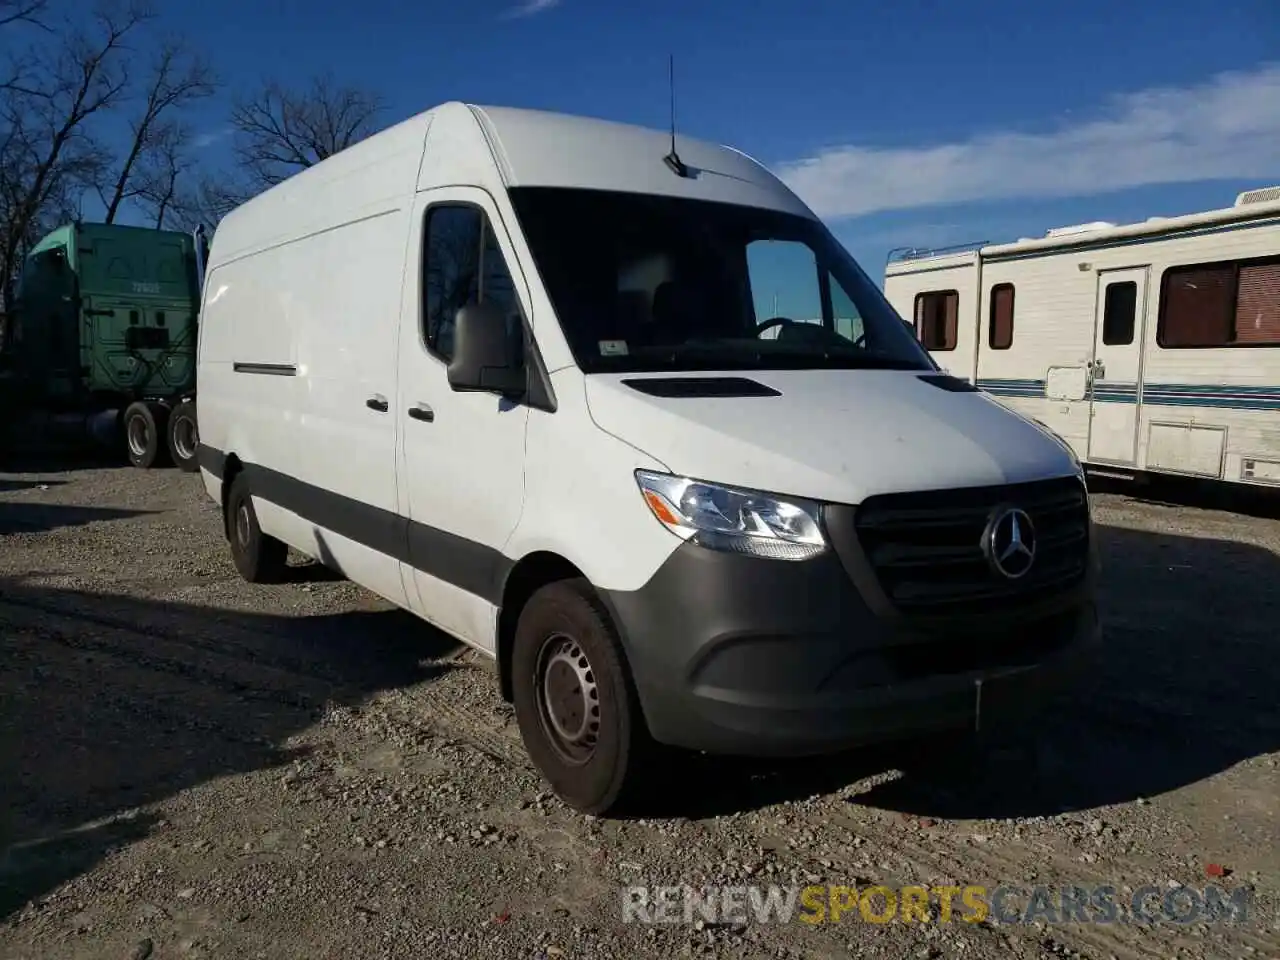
(1150, 347)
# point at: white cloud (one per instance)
(1225, 128)
(203, 140)
(531, 7)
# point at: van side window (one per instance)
(937, 316)
(463, 265)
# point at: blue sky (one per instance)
(908, 123)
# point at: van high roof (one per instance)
(497, 148)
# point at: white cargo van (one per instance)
(636, 426)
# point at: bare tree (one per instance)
(160, 190)
(47, 152)
(179, 78)
(281, 131)
(23, 11)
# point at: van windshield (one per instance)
(650, 283)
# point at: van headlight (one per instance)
(733, 520)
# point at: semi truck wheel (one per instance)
(144, 425)
(183, 436)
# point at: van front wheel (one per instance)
(574, 704)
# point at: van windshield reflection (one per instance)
(649, 283)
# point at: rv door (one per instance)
(1115, 374)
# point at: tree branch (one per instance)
(178, 79)
(29, 12)
(48, 150)
(280, 132)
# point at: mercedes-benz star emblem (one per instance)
(1010, 542)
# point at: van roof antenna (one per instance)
(672, 159)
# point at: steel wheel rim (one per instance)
(568, 699)
(242, 525)
(185, 437)
(138, 436)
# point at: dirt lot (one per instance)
(194, 767)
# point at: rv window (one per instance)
(1119, 313)
(463, 264)
(1257, 319)
(1000, 323)
(1231, 304)
(937, 313)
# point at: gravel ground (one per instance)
(191, 766)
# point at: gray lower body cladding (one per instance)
(742, 655)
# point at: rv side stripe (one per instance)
(1221, 396)
(470, 566)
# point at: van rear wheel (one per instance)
(574, 702)
(258, 557)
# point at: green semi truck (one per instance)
(101, 338)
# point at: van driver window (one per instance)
(463, 265)
(786, 282)
(845, 311)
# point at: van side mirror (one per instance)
(485, 358)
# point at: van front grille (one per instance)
(928, 554)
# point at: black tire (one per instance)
(258, 557)
(565, 631)
(143, 425)
(183, 436)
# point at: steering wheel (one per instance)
(773, 322)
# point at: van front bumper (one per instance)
(740, 655)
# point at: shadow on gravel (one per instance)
(114, 703)
(58, 460)
(43, 517)
(312, 571)
(1178, 492)
(1186, 689)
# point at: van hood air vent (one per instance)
(697, 387)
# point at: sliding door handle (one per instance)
(377, 402)
(422, 412)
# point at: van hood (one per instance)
(833, 435)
